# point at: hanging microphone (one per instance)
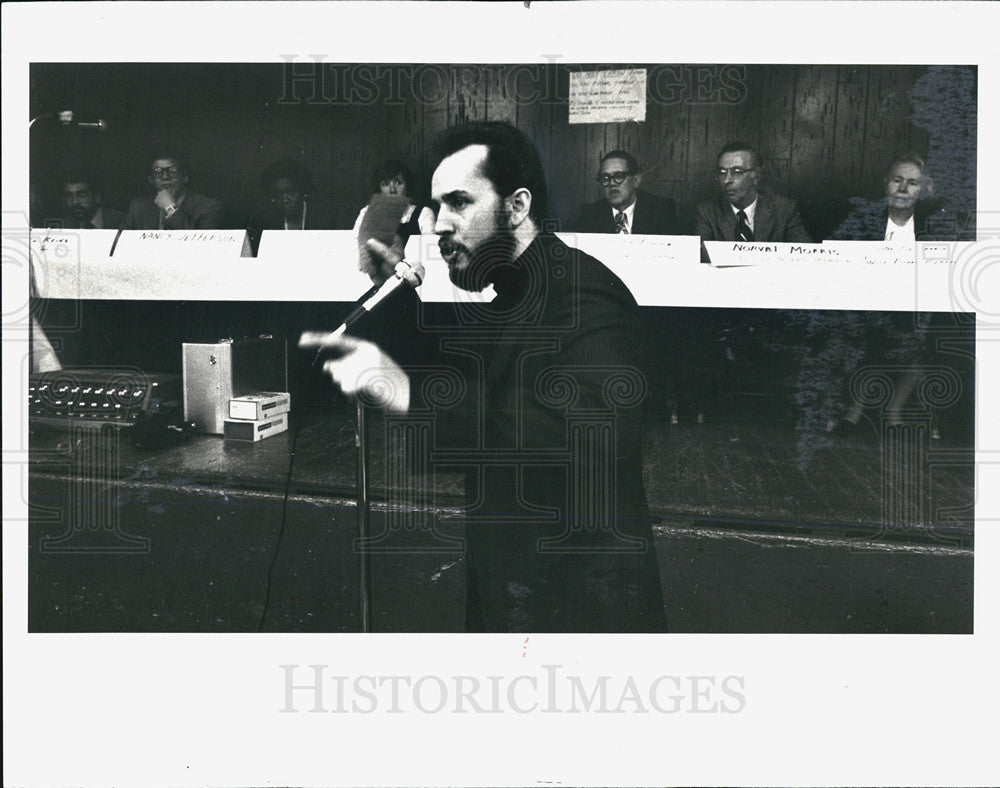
(68, 118)
(378, 294)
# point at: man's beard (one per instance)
(494, 252)
(82, 215)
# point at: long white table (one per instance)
(659, 270)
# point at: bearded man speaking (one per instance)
(558, 536)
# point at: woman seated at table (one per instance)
(908, 211)
(394, 178)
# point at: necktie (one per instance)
(743, 231)
(620, 226)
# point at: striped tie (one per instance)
(743, 231)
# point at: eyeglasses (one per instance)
(165, 171)
(736, 172)
(399, 183)
(617, 178)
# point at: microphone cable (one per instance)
(281, 528)
(284, 508)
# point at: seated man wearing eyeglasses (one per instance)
(744, 211)
(625, 207)
(174, 206)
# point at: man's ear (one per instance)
(520, 206)
(638, 179)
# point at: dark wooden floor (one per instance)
(751, 538)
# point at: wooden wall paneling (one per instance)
(599, 138)
(811, 163)
(467, 94)
(407, 123)
(815, 105)
(664, 144)
(434, 111)
(707, 135)
(570, 173)
(777, 123)
(848, 175)
(501, 101)
(538, 116)
(886, 119)
(919, 138)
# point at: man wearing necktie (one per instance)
(745, 211)
(626, 209)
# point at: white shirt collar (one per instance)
(629, 214)
(900, 234)
(750, 211)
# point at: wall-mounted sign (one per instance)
(613, 96)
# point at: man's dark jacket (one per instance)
(195, 212)
(776, 219)
(558, 533)
(653, 216)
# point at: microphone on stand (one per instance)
(68, 118)
(377, 295)
(371, 299)
(380, 222)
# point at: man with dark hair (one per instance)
(174, 206)
(745, 211)
(625, 207)
(82, 205)
(558, 534)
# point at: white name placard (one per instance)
(647, 264)
(728, 254)
(169, 245)
(323, 263)
(57, 257)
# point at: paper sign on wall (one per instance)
(612, 96)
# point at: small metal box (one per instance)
(215, 373)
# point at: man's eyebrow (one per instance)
(452, 195)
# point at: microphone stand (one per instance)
(361, 441)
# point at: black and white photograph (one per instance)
(425, 391)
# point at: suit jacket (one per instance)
(196, 212)
(776, 219)
(653, 216)
(550, 432)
